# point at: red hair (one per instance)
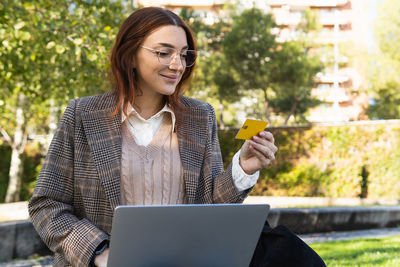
(131, 35)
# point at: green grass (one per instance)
(360, 252)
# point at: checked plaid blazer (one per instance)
(79, 184)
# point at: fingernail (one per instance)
(256, 138)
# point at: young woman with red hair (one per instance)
(142, 143)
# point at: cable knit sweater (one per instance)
(152, 174)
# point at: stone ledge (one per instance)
(319, 220)
(20, 240)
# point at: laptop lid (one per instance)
(186, 235)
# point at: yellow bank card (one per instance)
(251, 128)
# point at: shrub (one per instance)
(328, 161)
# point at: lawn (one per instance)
(360, 252)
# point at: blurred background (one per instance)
(324, 73)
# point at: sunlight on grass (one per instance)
(361, 252)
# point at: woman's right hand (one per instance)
(101, 260)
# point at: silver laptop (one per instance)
(186, 235)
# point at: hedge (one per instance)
(31, 159)
(354, 160)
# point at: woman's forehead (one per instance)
(172, 35)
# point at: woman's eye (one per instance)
(163, 53)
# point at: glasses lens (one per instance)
(190, 57)
(166, 56)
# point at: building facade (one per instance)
(343, 33)
(208, 10)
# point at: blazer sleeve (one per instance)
(51, 207)
(224, 190)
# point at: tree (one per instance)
(249, 48)
(387, 104)
(283, 71)
(293, 79)
(51, 51)
(223, 81)
(213, 72)
(385, 74)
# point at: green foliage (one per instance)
(384, 74)
(5, 151)
(284, 72)
(387, 105)
(329, 161)
(249, 47)
(53, 49)
(50, 52)
(293, 79)
(309, 21)
(387, 28)
(383, 251)
(32, 162)
(214, 78)
(305, 180)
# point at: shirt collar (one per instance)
(132, 112)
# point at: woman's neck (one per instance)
(147, 106)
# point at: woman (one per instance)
(141, 143)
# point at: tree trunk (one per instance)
(291, 112)
(18, 145)
(266, 107)
(53, 120)
(14, 182)
(221, 114)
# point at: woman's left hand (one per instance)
(258, 152)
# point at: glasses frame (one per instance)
(156, 52)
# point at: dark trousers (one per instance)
(281, 247)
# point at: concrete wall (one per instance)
(20, 240)
(319, 220)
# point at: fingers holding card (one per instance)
(251, 128)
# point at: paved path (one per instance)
(309, 238)
(333, 236)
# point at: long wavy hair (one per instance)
(130, 37)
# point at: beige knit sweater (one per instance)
(152, 175)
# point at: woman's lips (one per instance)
(170, 78)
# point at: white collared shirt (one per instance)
(143, 131)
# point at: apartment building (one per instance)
(344, 24)
(208, 10)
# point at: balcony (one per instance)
(333, 18)
(329, 37)
(331, 78)
(286, 18)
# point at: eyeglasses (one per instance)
(165, 56)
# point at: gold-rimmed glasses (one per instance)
(165, 55)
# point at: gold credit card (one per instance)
(251, 128)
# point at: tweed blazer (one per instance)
(78, 187)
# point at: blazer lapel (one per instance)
(104, 138)
(192, 135)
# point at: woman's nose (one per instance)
(177, 63)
